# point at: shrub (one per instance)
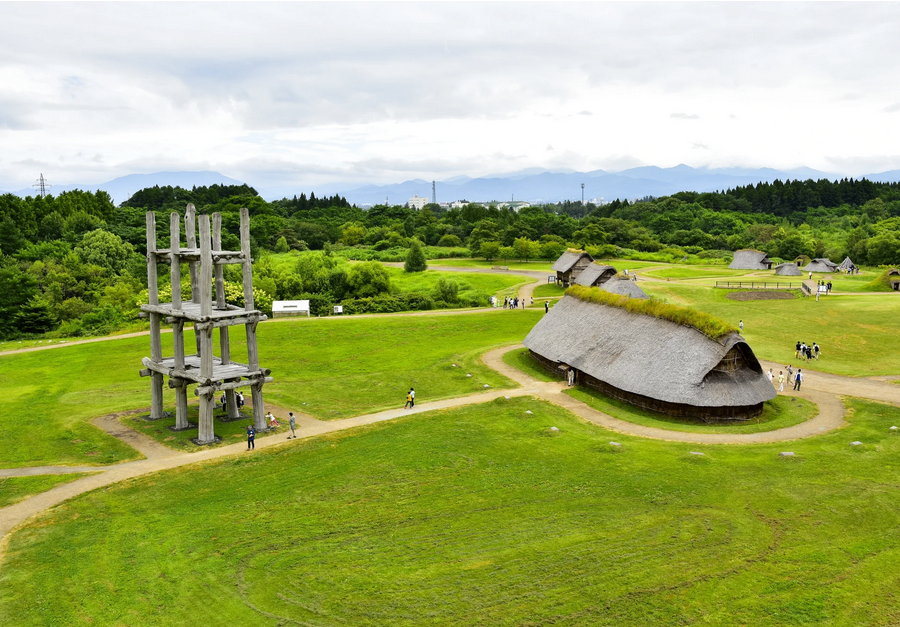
(449, 240)
(446, 290)
(415, 259)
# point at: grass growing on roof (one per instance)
(881, 283)
(481, 516)
(708, 325)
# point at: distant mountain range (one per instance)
(533, 184)
(554, 186)
(121, 189)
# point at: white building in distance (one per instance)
(417, 202)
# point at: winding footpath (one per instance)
(820, 388)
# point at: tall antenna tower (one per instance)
(42, 185)
(582, 194)
(433, 193)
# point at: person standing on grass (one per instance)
(798, 379)
(546, 306)
(797, 350)
(292, 423)
(251, 437)
(781, 380)
(816, 350)
(741, 325)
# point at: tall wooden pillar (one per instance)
(259, 408)
(174, 249)
(224, 343)
(181, 408)
(207, 401)
(190, 235)
(156, 378)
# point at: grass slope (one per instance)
(470, 283)
(857, 333)
(339, 368)
(482, 516)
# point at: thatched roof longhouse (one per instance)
(748, 259)
(595, 275)
(652, 362)
(569, 265)
(788, 269)
(821, 265)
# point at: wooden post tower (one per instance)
(207, 310)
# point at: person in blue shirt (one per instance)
(251, 437)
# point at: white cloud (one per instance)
(318, 93)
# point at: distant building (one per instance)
(459, 204)
(417, 202)
(287, 308)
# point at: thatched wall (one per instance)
(748, 259)
(788, 269)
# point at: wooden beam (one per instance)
(248, 268)
(231, 385)
(190, 232)
(152, 282)
(174, 247)
(231, 322)
(217, 246)
(206, 268)
(259, 407)
(178, 335)
(181, 407)
(175, 372)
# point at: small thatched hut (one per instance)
(651, 362)
(595, 275)
(569, 265)
(788, 269)
(624, 287)
(894, 279)
(821, 265)
(802, 260)
(847, 265)
(749, 259)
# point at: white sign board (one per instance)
(338, 309)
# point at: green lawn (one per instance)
(549, 290)
(14, 489)
(338, 367)
(695, 272)
(857, 333)
(471, 284)
(482, 516)
(521, 359)
(780, 412)
(536, 265)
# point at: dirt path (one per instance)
(820, 388)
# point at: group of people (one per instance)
(797, 378)
(513, 303)
(410, 399)
(273, 423)
(238, 399)
(807, 351)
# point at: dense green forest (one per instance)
(74, 265)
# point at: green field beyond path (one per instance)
(482, 516)
(471, 284)
(858, 334)
(338, 368)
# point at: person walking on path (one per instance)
(770, 375)
(546, 306)
(412, 397)
(292, 423)
(781, 380)
(798, 379)
(251, 437)
(741, 325)
(810, 275)
(408, 400)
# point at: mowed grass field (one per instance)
(858, 334)
(482, 516)
(337, 367)
(14, 489)
(470, 283)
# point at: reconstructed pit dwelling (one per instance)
(651, 362)
(206, 311)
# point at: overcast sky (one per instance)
(308, 94)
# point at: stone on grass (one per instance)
(486, 385)
(614, 444)
(527, 411)
(468, 375)
(893, 429)
(786, 454)
(553, 429)
(506, 397)
(696, 453)
(857, 443)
